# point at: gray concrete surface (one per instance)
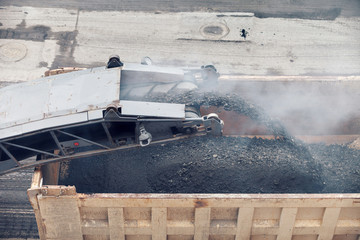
(309, 9)
(33, 40)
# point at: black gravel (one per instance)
(340, 165)
(220, 164)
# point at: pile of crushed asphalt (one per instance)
(219, 164)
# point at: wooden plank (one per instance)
(228, 196)
(349, 213)
(138, 237)
(202, 223)
(347, 227)
(97, 213)
(57, 190)
(329, 222)
(180, 214)
(96, 229)
(140, 230)
(222, 227)
(267, 213)
(36, 179)
(40, 224)
(257, 203)
(159, 215)
(224, 213)
(304, 237)
(310, 213)
(116, 223)
(180, 228)
(137, 212)
(158, 223)
(265, 227)
(347, 237)
(61, 217)
(32, 195)
(244, 223)
(96, 237)
(307, 227)
(181, 237)
(225, 200)
(137, 227)
(287, 222)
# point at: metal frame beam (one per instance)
(10, 155)
(31, 149)
(93, 153)
(112, 146)
(84, 139)
(106, 129)
(56, 140)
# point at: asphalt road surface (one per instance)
(309, 9)
(34, 39)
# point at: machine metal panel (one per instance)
(58, 95)
(153, 109)
(43, 124)
(95, 114)
(152, 69)
(143, 74)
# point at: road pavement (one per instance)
(306, 9)
(33, 40)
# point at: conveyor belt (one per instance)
(114, 132)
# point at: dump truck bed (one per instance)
(62, 213)
(65, 212)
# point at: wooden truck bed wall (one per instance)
(62, 213)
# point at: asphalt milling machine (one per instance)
(141, 133)
(82, 112)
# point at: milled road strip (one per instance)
(273, 46)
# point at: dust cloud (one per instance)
(306, 107)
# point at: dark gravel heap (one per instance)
(233, 165)
(340, 167)
(219, 164)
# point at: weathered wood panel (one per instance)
(61, 217)
(65, 214)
